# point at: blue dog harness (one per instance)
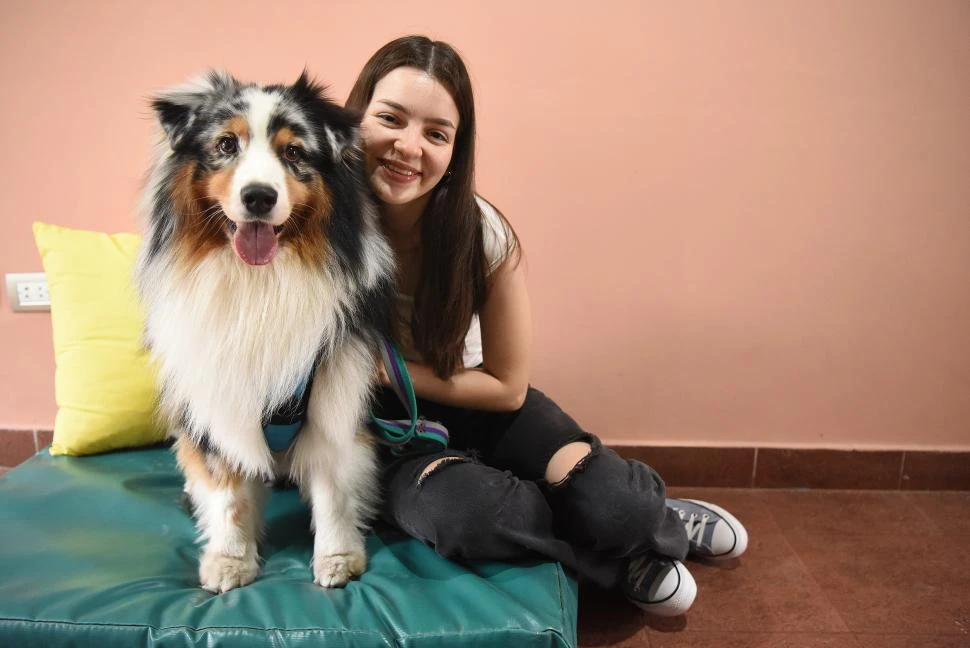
(281, 428)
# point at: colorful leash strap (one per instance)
(415, 432)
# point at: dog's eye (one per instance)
(293, 153)
(227, 145)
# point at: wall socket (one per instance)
(27, 291)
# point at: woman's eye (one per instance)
(293, 153)
(438, 135)
(387, 118)
(227, 145)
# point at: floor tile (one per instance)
(607, 619)
(766, 590)
(747, 505)
(910, 641)
(848, 513)
(637, 641)
(852, 569)
(949, 511)
(892, 583)
(751, 640)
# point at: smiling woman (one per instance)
(520, 476)
(418, 115)
(409, 127)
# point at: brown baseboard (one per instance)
(725, 467)
(805, 468)
(16, 446)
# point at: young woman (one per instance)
(519, 477)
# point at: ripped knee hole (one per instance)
(568, 460)
(435, 466)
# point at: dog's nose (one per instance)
(258, 198)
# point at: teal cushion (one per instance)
(97, 551)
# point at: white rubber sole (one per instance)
(679, 602)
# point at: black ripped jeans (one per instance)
(491, 501)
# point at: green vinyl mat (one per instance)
(97, 551)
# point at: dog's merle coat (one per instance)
(233, 340)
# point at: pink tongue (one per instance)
(255, 242)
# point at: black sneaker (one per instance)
(658, 585)
(712, 532)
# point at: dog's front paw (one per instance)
(334, 570)
(220, 573)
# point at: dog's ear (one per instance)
(178, 108)
(341, 126)
(343, 134)
(306, 86)
(175, 116)
(344, 143)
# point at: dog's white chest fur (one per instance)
(235, 341)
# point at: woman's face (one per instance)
(409, 133)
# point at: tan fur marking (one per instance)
(366, 439)
(299, 192)
(284, 136)
(201, 225)
(240, 512)
(192, 463)
(312, 208)
(211, 471)
(239, 127)
(218, 185)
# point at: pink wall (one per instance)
(747, 222)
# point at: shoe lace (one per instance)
(695, 524)
(639, 569)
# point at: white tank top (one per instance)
(495, 240)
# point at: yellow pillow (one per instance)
(104, 386)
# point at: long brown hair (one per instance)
(454, 268)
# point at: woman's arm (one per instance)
(502, 382)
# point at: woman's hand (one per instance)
(502, 383)
(380, 374)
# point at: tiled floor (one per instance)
(839, 569)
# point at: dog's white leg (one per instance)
(228, 511)
(342, 501)
(334, 462)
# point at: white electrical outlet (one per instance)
(27, 291)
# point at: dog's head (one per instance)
(252, 166)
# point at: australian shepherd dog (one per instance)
(266, 284)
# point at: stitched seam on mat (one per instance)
(562, 604)
(463, 633)
(305, 630)
(81, 624)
